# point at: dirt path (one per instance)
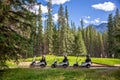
(24, 64)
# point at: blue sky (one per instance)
(91, 11)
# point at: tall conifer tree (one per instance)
(49, 28)
(116, 34)
(110, 36)
(40, 32)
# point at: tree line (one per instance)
(67, 38)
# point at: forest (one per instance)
(23, 34)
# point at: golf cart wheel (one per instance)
(42, 66)
(53, 66)
(65, 66)
(88, 66)
(75, 65)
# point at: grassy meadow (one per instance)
(62, 73)
(72, 59)
(59, 74)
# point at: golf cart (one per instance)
(41, 64)
(63, 64)
(86, 64)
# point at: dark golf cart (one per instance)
(42, 63)
(86, 64)
(63, 64)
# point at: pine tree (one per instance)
(49, 28)
(82, 24)
(55, 40)
(116, 34)
(79, 46)
(88, 39)
(62, 30)
(110, 36)
(40, 32)
(15, 29)
(45, 50)
(100, 45)
(66, 16)
(105, 44)
(67, 33)
(91, 43)
(95, 43)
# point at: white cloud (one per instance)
(55, 17)
(94, 21)
(59, 1)
(86, 21)
(35, 9)
(106, 6)
(44, 9)
(104, 21)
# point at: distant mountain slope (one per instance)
(101, 27)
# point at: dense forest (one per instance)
(22, 33)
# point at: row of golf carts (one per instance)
(64, 63)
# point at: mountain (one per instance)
(101, 27)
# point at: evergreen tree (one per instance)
(100, 45)
(79, 46)
(66, 16)
(68, 34)
(73, 26)
(40, 32)
(55, 40)
(49, 28)
(91, 38)
(62, 30)
(95, 43)
(88, 39)
(110, 36)
(82, 24)
(15, 28)
(105, 44)
(116, 34)
(45, 50)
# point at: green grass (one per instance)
(107, 61)
(50, 59)
(72, 59)
(59, 74)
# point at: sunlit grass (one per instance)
(72, 59)
(107, 61)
